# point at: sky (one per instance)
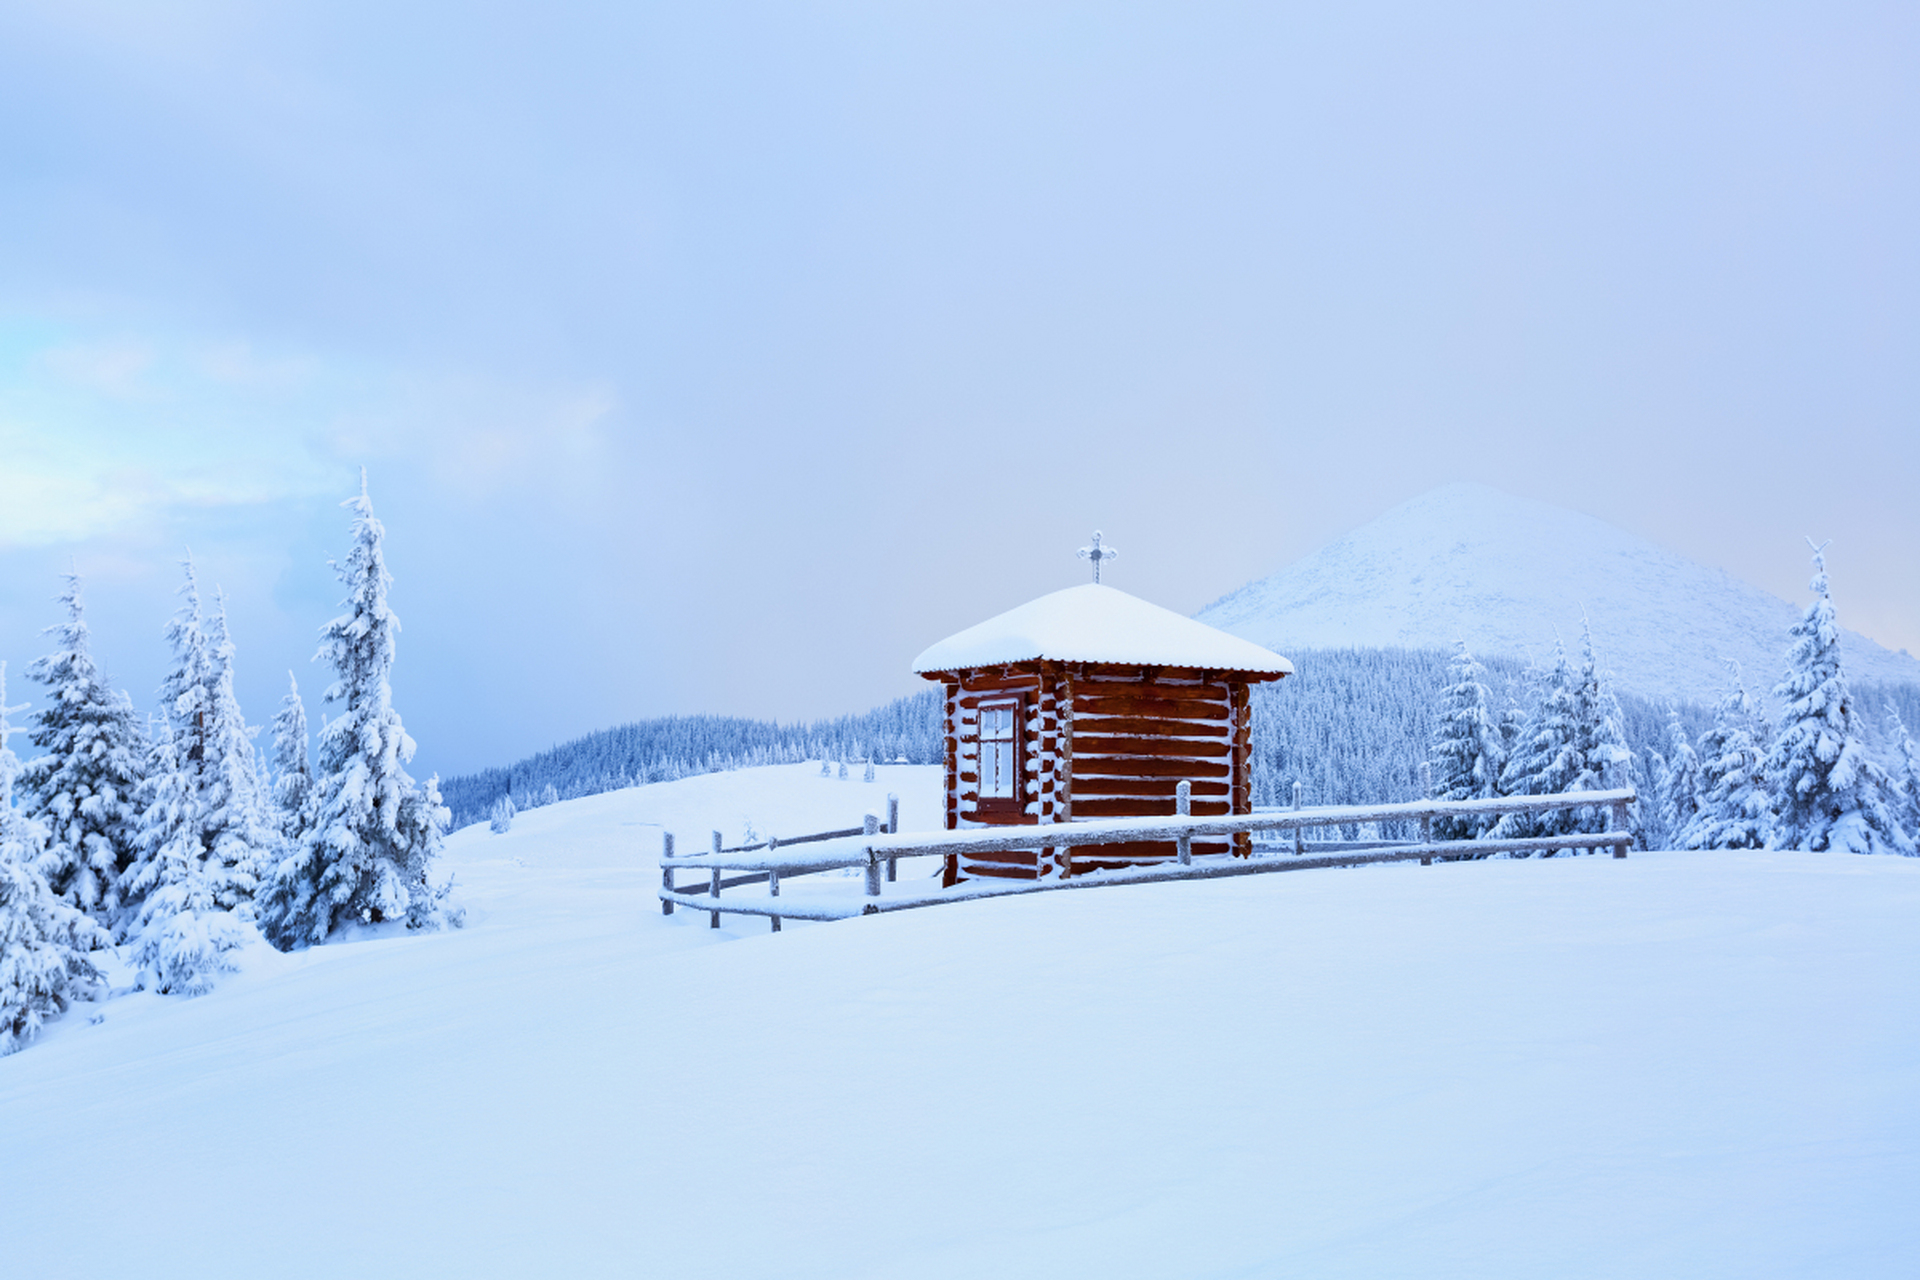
(720, 357)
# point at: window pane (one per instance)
(996, 770)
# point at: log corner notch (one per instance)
(1091, 703)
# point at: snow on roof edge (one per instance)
(1097, 623)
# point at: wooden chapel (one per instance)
(1092, 703)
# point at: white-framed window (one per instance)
(1000, 751)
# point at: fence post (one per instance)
(666, 873)
(713, 889)
(1299, 833)
(1183, 805)
(1620, 824)
(893, 829)
(773, 886)
(870, 825)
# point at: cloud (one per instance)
(115, 368)
(99, 434)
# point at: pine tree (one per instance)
(44, 943)
(185, 692)
(293, 776)
(1679, 790)
(235, 829)
(81, 791)
(1545, 758)
(500, 821)
(1905, 774)
(1606, 763)
(368, 855)
(1736, 811)
(183, 935)
(1467, 751)
(1828, 792)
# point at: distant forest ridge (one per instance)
(661, 750)
(1352, 726)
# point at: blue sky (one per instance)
(719, 357)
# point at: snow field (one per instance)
(1678, 1065)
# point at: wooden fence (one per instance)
(877, 849)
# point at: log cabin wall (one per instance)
(1097, 742)
(1137, 734)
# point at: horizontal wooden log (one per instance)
(1194, 747)
(785, 908)
(1156, 700)
(1009, 857)
(1103, 673)
(979, 683)
(1120, 807)
(988, 813)
(1215, 869)
(1140, 726)
(1142, 851)
(1084, 786)
(1144, 767)
(998, 871)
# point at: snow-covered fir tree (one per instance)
(368, 855)
(1677, 799)
(44, 943)
(1545, 757)
(1905, 759)
(292, 774)
(236, 829)
(1735, 810)
(182, 932)
(81, 790)
(1828, 792)
(500, 821)
(1467, 753)
(1607, 764)
(185, 693)
(1574, 741)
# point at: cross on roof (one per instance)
(1097, 553)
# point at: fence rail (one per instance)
(874, 848)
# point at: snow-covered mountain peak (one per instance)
(1505, 574)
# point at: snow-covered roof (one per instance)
(1095, 623)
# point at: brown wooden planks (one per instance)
(1139, 726)
(1144, 807)
(1155, 689)
(1190, 747)
(1149, 787)
(1144, 702)
(1147, 767)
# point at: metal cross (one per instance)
(1097, 553)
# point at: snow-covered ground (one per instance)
(1678, 1065)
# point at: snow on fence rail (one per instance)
(874, 847)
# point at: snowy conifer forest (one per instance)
(175, 840)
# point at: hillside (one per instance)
(1506, 574)
(1677, 1065)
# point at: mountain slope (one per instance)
(1504, 573)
